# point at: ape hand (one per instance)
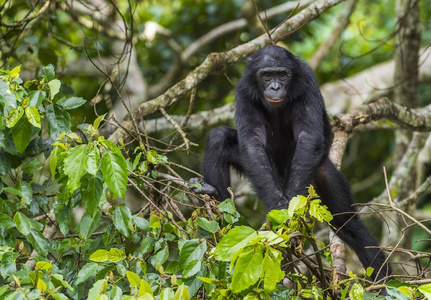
(199, 186)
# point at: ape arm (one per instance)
(310, 151)
(256, 164)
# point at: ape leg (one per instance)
(221, 152)
(335, 193)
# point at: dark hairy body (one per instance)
(281, 145)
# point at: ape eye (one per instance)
(283, 74)
(266, 75)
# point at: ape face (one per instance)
(274, 81)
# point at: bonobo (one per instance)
(282, 144)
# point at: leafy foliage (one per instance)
(112, 253)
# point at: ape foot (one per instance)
(199, 186)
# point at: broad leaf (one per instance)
(121, 218)
(425, 289)
(233, 241)
(49, 72)
(58, 120)
(38, 241)
(71, 103)
(91, 192)
(116, 255)
(89, 224)
(74, 166)
(320, 212)
(22, 223)
(33, 116)
(191, 250)
(54, 87)
(114, 170)
(21, 134)
(297, 205)
(133, 278)
(86, 271)
(210, 226)
(36, 98)
(14, 116)
(100, 255)
(248, 269)
(182, 293)
(271, 269)
(6, 222)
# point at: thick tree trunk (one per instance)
(406, 87)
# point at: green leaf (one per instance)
(54, 87)
(22, 223)
(210, 226)
(152, 157)
(141, 223)
(357, 292)
(33, 116)
(121, 218)
(41, 285)
(98, 288)
(297, 205)
(182, 293)
(26, 191)
(71, 103)
(85, 273)
(227, 206)
(89, 224)
(36, 98)
(233, 241)
(15, 72)
(6, 222)
(58, 296)
(133, 278)
(166, 294)
(49, 73)
(425, 289)
(96, 122)
(32, 166)
(116, 255)
(14, 116)
(58, 120)
(91, 192)
(54, 159)
(145, 288)
(192, 268)
(191, 250)
(100, 255)
(74, 166)
(248, 269)
(92, 161)
(21, 134)
(43, 265)
(278, 217)
(320, 212)
(155, 222)
(272, 269)
(5, 163)
(114, 170)
(38, 241)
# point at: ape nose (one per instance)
(275, 86)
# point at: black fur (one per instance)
(282, 146)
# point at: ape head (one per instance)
(273, 71)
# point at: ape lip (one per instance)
(275, 100)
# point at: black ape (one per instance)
(282, 146)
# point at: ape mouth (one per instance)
(274, 100)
